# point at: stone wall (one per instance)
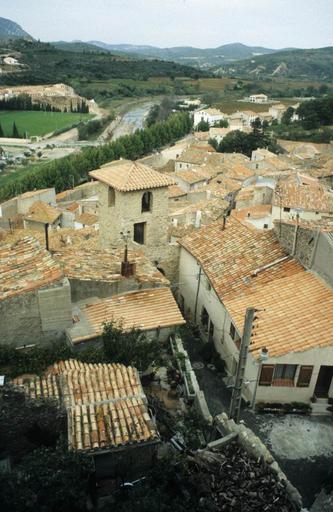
(305, 239)
(312, 248)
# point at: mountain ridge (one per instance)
(11, 30)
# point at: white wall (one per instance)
(226, 347)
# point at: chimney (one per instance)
(127, 268)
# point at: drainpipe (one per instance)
(197, 296)
(295, 237)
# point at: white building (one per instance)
(258, 98)
(222, 272)
(208, 115)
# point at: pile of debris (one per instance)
(233, 481)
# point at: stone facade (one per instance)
(121, 211)
(36, 317)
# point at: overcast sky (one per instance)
(201, 23)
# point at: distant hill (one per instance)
(78, 47)
(43, 63)
(204, 58)
(296, 64)
(11, 30)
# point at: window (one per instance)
(182, 303)
(304, 377)
(232, 331)
(140, 233)
(146, 202)
(265, 226)
(204, 318)
(111, 197)
(284, 374)
(208, 286)
(285, 209)
(211, 331)
(266, 375)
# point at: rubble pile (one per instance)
(233, 481)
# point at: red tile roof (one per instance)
(24, 266)
(127, 176)
(106, 405)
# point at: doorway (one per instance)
(324, 381)
(139, 232)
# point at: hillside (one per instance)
(78, 47)
(301, 64)
(199, 57)
(11, 30)
(43, 63)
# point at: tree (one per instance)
(202, 126)
(287, 116)
(15, 132)
(47, 480)
(1, 131)
(130, 347)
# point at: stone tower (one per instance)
(133, 202)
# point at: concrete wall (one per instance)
(323, 257)
(278, 214)
(8, 208)
(36, 317)
(24, 203)
(83, 289)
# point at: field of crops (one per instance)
(30, 124)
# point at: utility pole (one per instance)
(236, 398)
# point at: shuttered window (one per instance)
(304, 376)
(266, 375)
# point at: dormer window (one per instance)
(146, 202)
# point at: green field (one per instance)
(38, 123)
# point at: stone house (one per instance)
(107, 413)
(35, 298)
(41, 214)
(224, 271)
(133, 207)
(301, 197)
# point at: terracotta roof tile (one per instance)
(24, 266)
(87, 219)
(300, 191)
(229, 256)
(144, 309)
(105, 403)
(127, 176)
(294, 307)
(42, 212)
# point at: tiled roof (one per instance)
(88, 264)
(24, 266)
(87, 219)
(143, 309)
(229, 257)
(190, 176)
(193, 156)
(300, 191)
(258, 211)
(239, 172)
(175, 191)
(295, 310)
(105, 403)
(42, 212)
(127, 176)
